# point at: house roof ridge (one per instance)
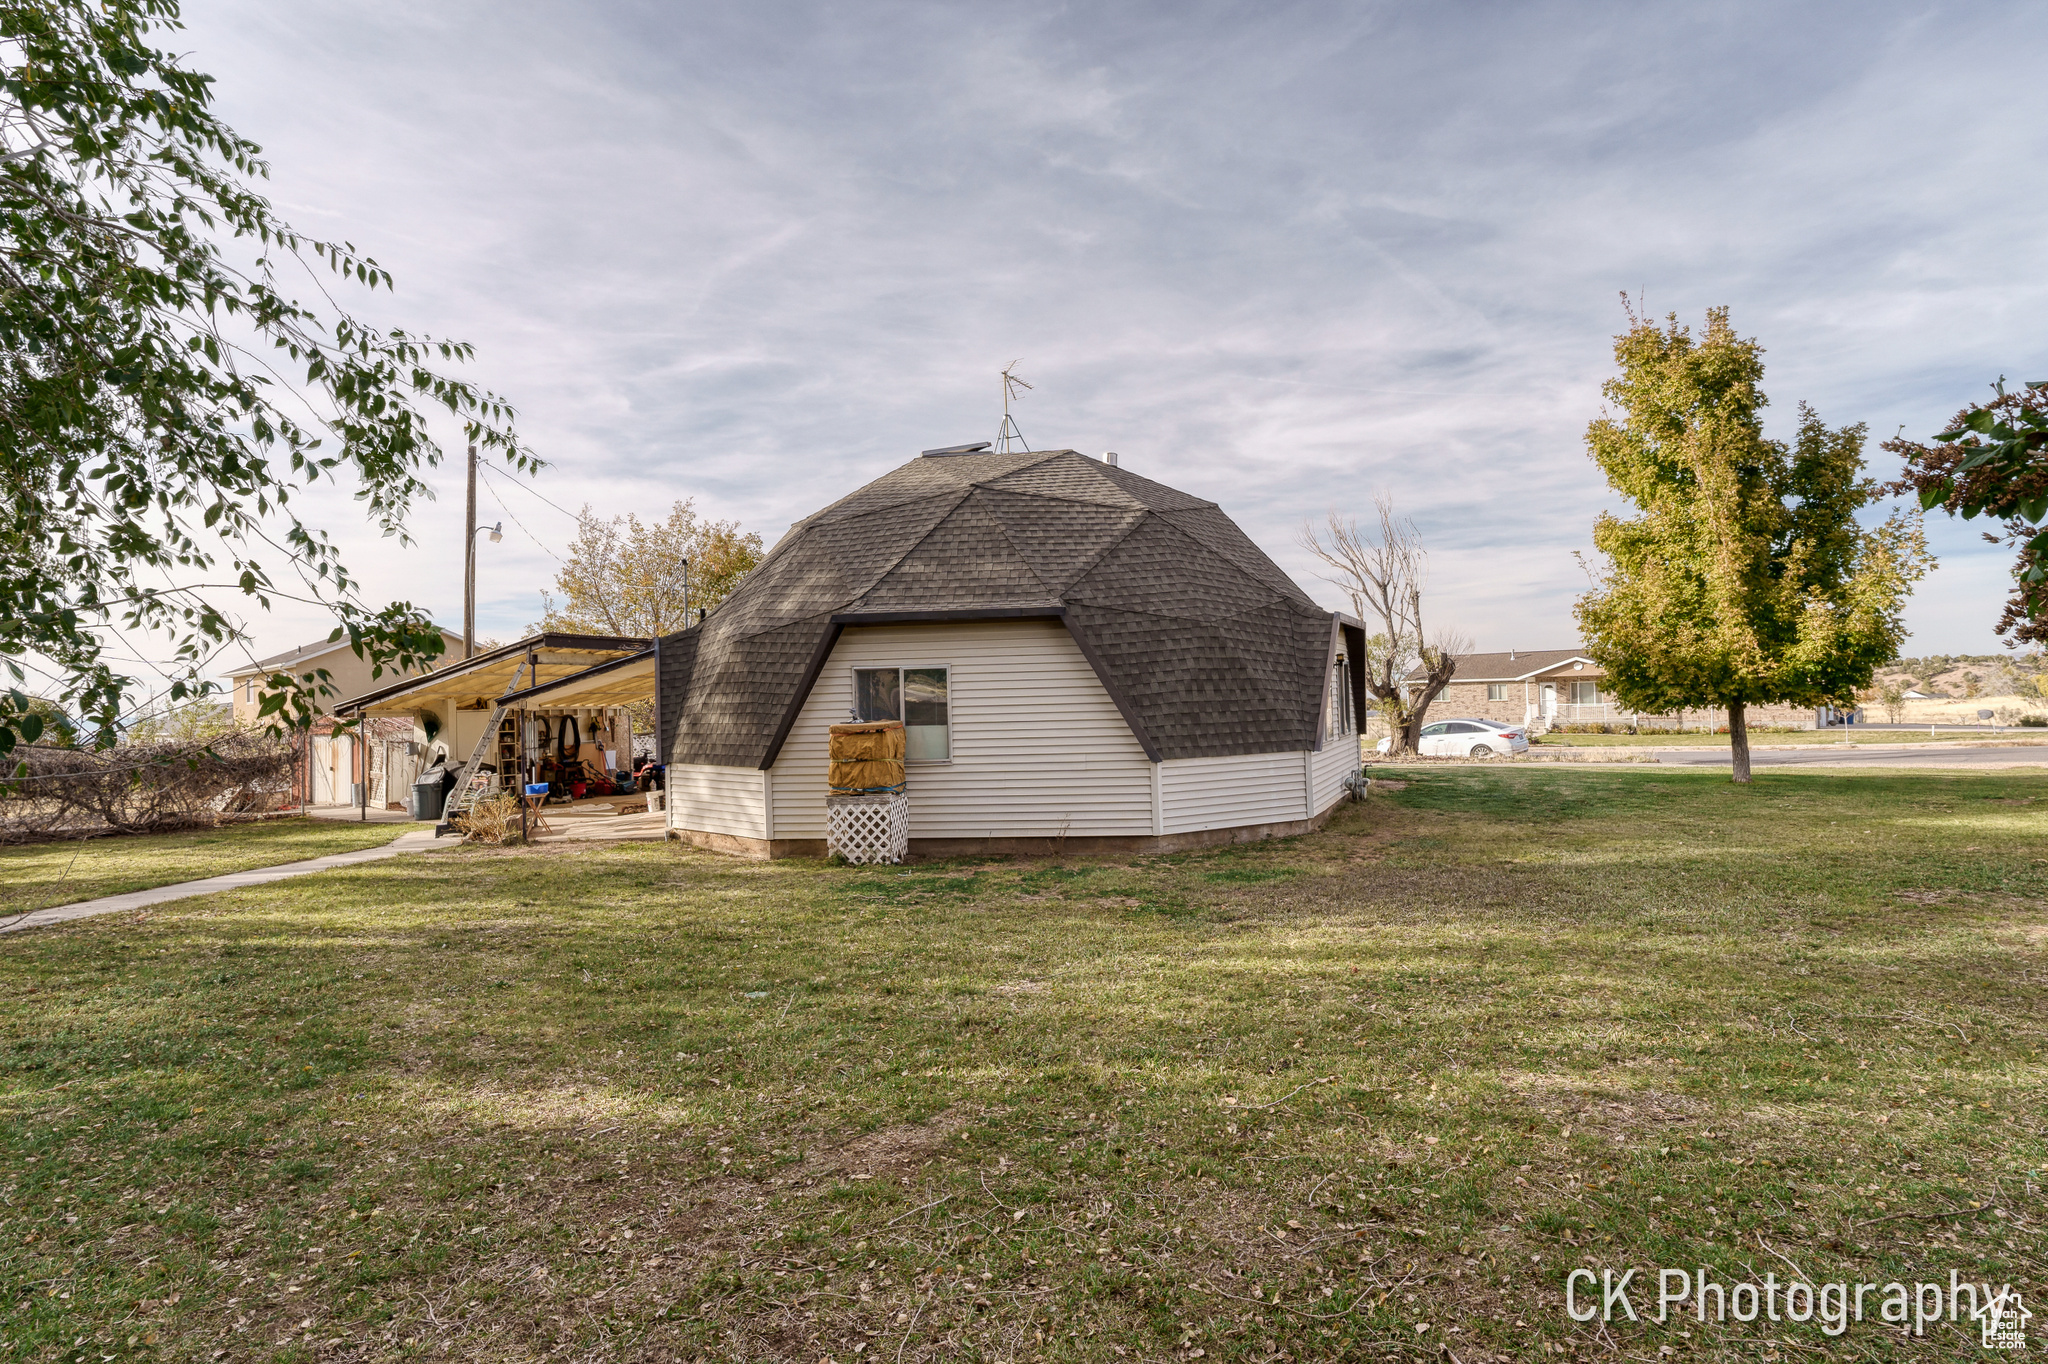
(973, 489)
(272, 663)
(1108, 548)
(966, 491)
(1537, 661)
(1223, 559)
(1070, 501)
(1116, 473)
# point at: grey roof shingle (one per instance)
(1507, 667)
(1207, 645)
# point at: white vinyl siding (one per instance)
(1223, 793)
(718, 800)
(1338, 760)
(1037, 745)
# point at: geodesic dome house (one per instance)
(1077, 653)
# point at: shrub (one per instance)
(142, 788)
(495, 820)
(2034, 721)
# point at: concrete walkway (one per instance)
(569, 826)
(417, 841)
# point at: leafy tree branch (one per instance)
(163, 396)
(1993, 461)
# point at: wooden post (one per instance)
(525, 753)
(469, 565)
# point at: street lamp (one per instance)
(497, 533)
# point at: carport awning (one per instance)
(620, 682)
(480, 682)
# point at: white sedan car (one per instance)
(1466, 739)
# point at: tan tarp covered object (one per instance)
(867, 757)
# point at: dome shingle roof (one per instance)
(1208, 648)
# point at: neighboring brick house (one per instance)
(1545, 688)
(330, 764)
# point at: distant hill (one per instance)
(1967, 677)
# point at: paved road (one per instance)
(1945, 755)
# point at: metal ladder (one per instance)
(471, 787)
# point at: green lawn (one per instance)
(39, 875)
(1689, 739)
(1371, 1093)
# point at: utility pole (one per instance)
(469, 565)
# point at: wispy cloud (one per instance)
(1281, 255)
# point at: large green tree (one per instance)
(164, 393)
(1746, 578)
(1993, 461)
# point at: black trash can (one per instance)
(426, 799)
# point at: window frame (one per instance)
(1341, 717)
(1496, 691)
(952, 720)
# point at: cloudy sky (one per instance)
(1280, 255)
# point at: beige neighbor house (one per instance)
(1546, 688)
(348, 675)
(1083, 659)
(330, 763)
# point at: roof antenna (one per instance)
(1008, 431)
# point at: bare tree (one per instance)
(1405, 665)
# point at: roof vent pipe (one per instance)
(1110, 459)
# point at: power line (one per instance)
(517, 522)
(482, 469)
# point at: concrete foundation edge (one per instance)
(763, 850)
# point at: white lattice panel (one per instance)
(866, 829)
